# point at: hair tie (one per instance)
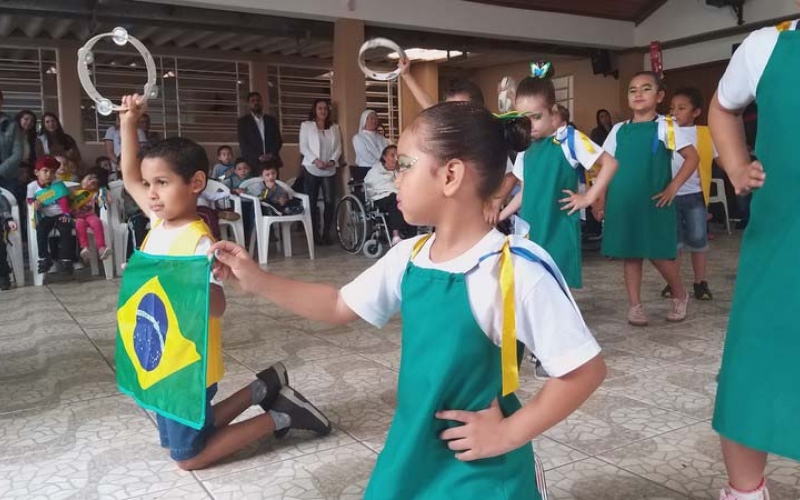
(508, 116)
(540, 69)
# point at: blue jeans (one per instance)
(183, 441)
(692, 222)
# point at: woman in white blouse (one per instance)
(321, 147)
(368, 144)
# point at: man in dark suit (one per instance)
(259, 134)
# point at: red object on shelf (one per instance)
(656, 60)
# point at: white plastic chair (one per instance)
(263, 222)
(234, 229)
(33, 247)
(15, 257)
(721, 197)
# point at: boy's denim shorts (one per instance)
(183, 441)
(692, 222)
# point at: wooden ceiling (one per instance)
(625, 10)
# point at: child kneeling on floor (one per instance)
(166, 184)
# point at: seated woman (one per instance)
(382, 190)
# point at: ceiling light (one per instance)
(427, 54)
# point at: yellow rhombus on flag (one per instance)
(166, 351)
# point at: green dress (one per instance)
(547, 174)
(447, 363)
(634, 227)
(758, 398)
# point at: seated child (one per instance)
(106, 164)
(50, 200)
(7, 225)
(225, 164)
(84, 203)
(136, 220)
(68, 171)
(272, 194)
(240, 173)
(381, 188)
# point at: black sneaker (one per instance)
(67, 267)
(667, 292)
(701, 291)
(276, 377)
(44, 265)
(5, 282)
(304, 415)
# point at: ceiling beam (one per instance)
(264, 42)
(6, 25)
(239, 41)
(60, 28)
(316, 48)
(653, 6)
(144, 32)
(279, 46)
(165, 36)
(33, 27)
(216, 39)
(191, 38)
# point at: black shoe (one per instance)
(5, 282)
(304, 415)
(276, 377)
(44, 265)
(67, 267)
(701, 291)
(667, 292)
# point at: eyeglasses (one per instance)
(404, 163)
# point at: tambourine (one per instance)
(121, 37)
(506, 93)
(377, 43)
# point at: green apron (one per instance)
(547, 174)
(447, 363)
(634, 227)
(758, 398)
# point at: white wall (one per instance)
(683, 18)
(448, 16)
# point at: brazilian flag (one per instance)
(162, 335)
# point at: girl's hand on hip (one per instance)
(666, 197)
(748, 178)
(575, 201)
(481, 436)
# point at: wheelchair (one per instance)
(360, 225)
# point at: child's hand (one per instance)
(479, 437)
(575, 201)
(282, 201)
(491, 211)
(748, 178)
(599, 210)
(12, 226)
(237, 191)
(666, 196)
(233, 262)
(37, 205)
(404, 65)
(133, 107)
(66, 218)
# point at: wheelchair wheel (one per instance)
(373, 249)
(351, 224)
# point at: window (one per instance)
(197, 99)
(384, 98)
(292, 92)
(29, 80)
(564, 93)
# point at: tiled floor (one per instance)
(66, 433)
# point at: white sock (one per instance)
(758, 494)
(282, 420)
(258, 391)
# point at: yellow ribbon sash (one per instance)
(705, 149)
(508, 343)
(670, 133)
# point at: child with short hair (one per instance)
(84, 203)
(166, 184)
(241, 172)
(639, 212)
(691, 203)
(272, 194)
(225, 163)
(459, 430)
(758, 401)
(7, 225)
(50, 200)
